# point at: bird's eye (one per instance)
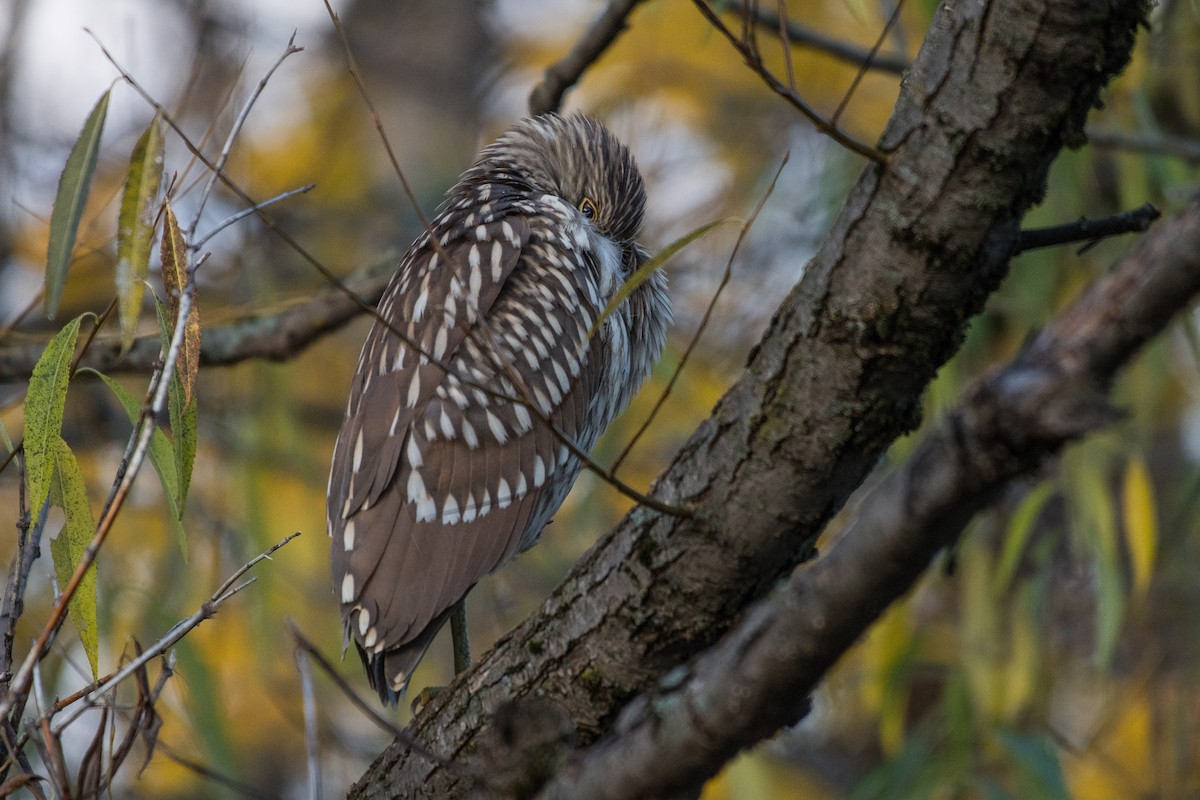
(587, 207)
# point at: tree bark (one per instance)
(671, 739)
(997, 90)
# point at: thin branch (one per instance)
(610, 23)
(749, 53)
(215, 173)
(245, 212)
(866, 65)
(1089, 230)
(1154, 143)
(852, 54)
(142, 434)
(726, 276)
(352, 66)
(208, 773)
(366, 708)
(312, 752)
(14, 594)
(180, 629)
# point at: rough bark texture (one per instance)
(674, 738)
(997, 90)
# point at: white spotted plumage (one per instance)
(450, 461)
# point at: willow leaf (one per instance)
(135, 226)
(73, 186)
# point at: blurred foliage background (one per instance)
(1054, 653)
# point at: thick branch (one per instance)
(674, 739)
(997, 90)
(276, 337)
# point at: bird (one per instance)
(490, 355)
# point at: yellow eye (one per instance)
(587, 208)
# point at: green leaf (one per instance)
(182, 413)
(162, 456)
(135, 227)
(69, 203)
(44, 403)
(1036, 759)
(67, 549)
(643, 273)
(1020, 528)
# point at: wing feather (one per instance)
(452, 482)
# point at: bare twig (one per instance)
(1089, 230)
(704, 320)
(208, 773)
(180, 629)
(352, 66)
(800, 35)
(559, 77)
(215, 173)
(866, 65)
(746, 47)
(366, 708)
(1157, 143)
(245, 212)
(14, 594)
(304, 668)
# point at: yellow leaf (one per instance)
(1141, 524)
(135, 226)
(175, 281)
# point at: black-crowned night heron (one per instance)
(445, 467)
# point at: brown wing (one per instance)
(435, 482)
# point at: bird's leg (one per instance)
(458, 634)
(462, 655)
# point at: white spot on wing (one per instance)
(564, 383)
(496, 426)
(439, 343)
(469, 435)
(469, 510)
(447, 425)
(358, 451)
(370, 637)
(414, 454)
(450, 513)
(364, 620)
(348, 536)
(414, 390)
(503, 494)
(348, 588)
(523, 418)
(497, 259)
(539, 471)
